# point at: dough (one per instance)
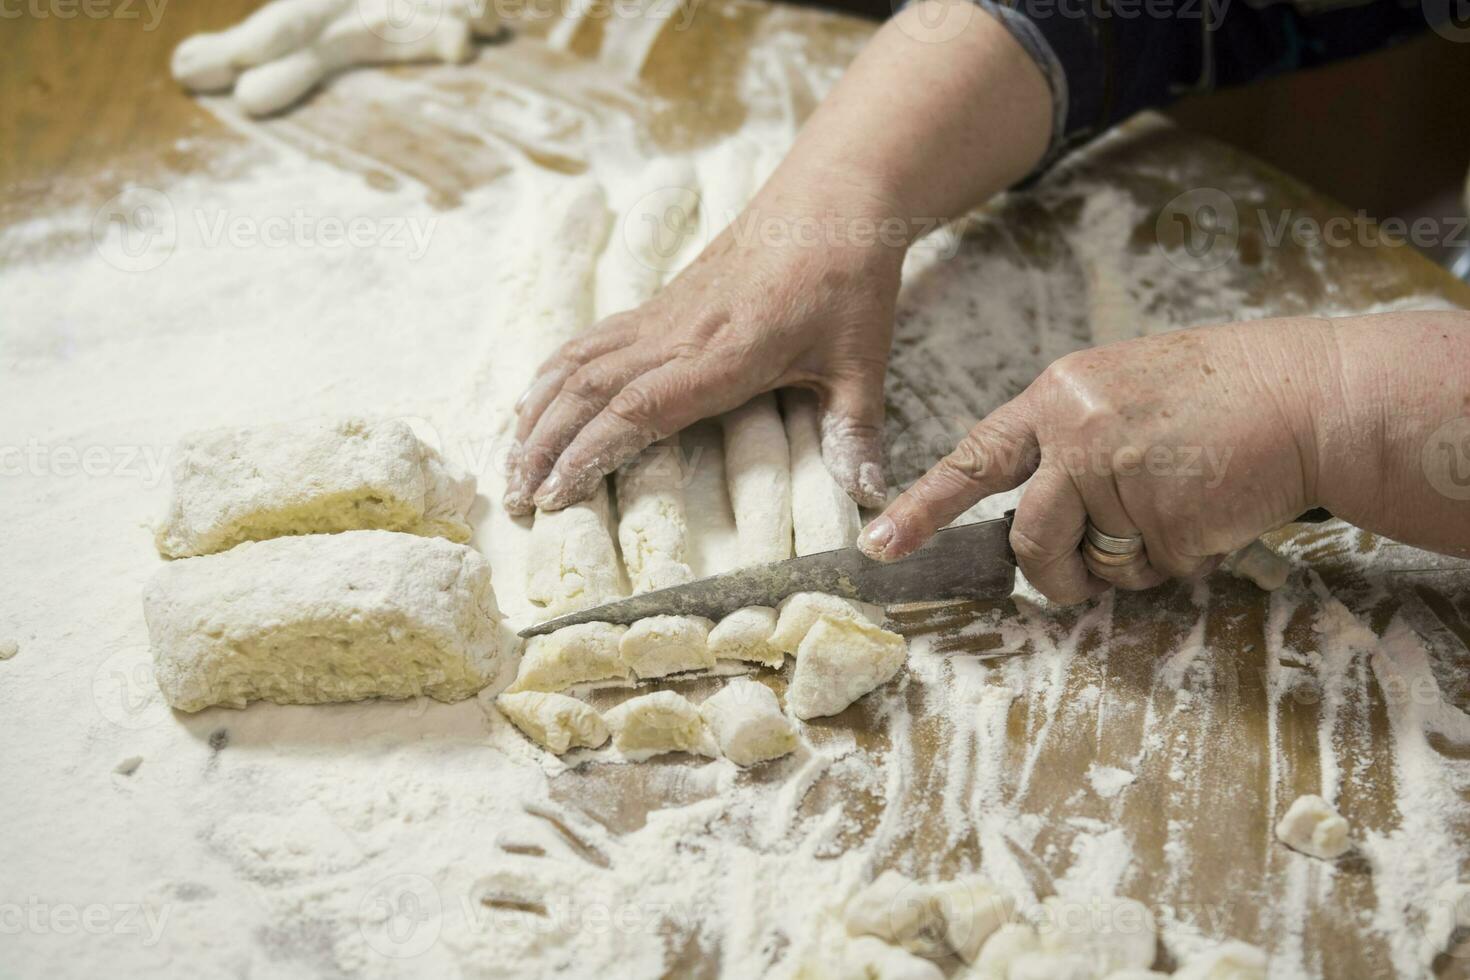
(758, 472)
(714, 546)
(1230, 961)
(8, 649)
(314, 477)
(799, 613)
(839, 661)
(1007, 944)
(324, 617)
(1110, 933)
(971, 909)
(1446, 919)
(651, 526)
(747, 722)
(575, 655)
(745, 634)
(1259, 564)
(1313, 827)
(211, 62)
(1051, 966)
(1133, 973)
(656, 723)
(866, 958)
(572, 561)
(554, 721)
(662, 645)
(898, 910)
(648, 239)
(823, 516)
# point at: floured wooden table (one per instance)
(1143, 744)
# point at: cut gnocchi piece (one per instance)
(555, 722)
(574, 655)
(799, 613)
(1312, 826)
(1110, 932)
(1229, 961)
(746, 720)
(745, 634)
(653, 724)
(1006, 945)
(896, 909)
(867, 958)
(838, 662)
(663, 645)
(971, 908)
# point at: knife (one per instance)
(970, 561)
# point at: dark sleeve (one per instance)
(1107, 59)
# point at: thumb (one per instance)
(997, 455)
(852, 438)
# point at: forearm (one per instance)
(923, 126)
(1393, 440)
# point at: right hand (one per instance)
(746, 317)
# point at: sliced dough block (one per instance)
(1312, 826)
(799, 613)
(572, 562)
(838, 662)
(656, 723)
(972, 908)
(867, 958)
(329, 617)
(758, 472)
(554, 721)
(746, 720)
(652, 530)
(662, 645)
(745, 634)
(1006, 945)
(314, 477)
(575, 655)
(1110, 933)
(1229, 961)
(898, 910)
(823, 516)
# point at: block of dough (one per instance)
(746, 720)
(656, 723)
(572, 563)
(799, 613)
(1312, 826)
(971, 908)
(313, 477)
(867, 958)
(554, 721)
(838, 662)
(1229, 961)
(1006, 945)
(652, 529)
(758, 472)
(324, 617)
(823, 516)
(1111, 933)
(663, 645)
(575, 655)
(898, 910)
(745, 634)
(1051, 966)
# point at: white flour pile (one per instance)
(419, 838)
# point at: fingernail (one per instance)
(874, 540)
(550, 489)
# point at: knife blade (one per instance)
(969, 561)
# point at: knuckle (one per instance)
(589, 383)
(636, 405)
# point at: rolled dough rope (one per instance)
(314, 477)
(1311, 825)
(823, 516)
(572, 562)
(652, 529)
(211, 62)
(575, 655)
(746, 720)
(663, 645)
(839, 661)
(758, 473)
(555, 722)
(321, 618)
(745, 634)
(653, 724)
(646, 242)
(713, 541)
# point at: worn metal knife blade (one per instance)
(970, 561)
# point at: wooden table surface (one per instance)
(88, 105)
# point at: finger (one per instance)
(586, 392)
(657, 404)
(997, 455)
(1105, 511)
(852, 439)
(611, 335)
(1046, 536)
